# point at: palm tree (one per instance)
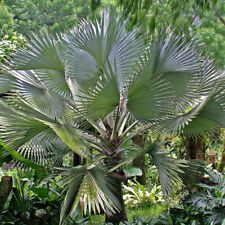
(93, 90)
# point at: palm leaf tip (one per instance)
(72, 137)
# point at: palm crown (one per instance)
(86, 90)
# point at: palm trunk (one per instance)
(121, 215)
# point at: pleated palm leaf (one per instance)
(87, 90)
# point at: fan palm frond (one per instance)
(199, 117)
(210, 77)
(18, 127)
(43, 153)
(211, 116)
(204, 117)
(92, 188)
(167, 77)
(6, 83)
(174, 172)
(45, 100)
(44, 54)
(91, 45)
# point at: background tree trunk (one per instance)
(140, 161)
(222, 161)
(5, 189)
(217, 12)
(76, 159)
(195, 148)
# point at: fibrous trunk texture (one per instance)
(121, 215)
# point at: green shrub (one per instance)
(9, 44)
(136, 195)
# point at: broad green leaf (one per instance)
(41, 192)
(133, 171)
(72, 137)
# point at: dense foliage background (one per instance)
(194, 16)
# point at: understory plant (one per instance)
(9, 44)
(30, 202)
(210, 202)
(137, 195)
(205, 207)
(93, 90)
